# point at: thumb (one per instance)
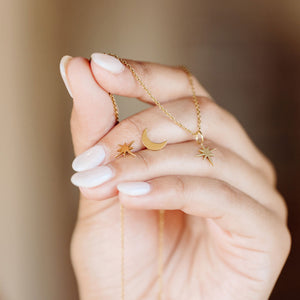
(93, 113)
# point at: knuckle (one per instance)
(118, 166)
(207, 104)
(195, 80)
(90, 193)
(267, 170)
(146, 160)
(288, 240)
(270, 172)
(228, 193)
(221, 115)
(212, 111)
(143, 68)
(130, 125)
(280, 207)
(183, 194)
(179, 186)
(281, 235)
(136, 123)
(216, 112)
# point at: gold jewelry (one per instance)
(125, 149)
(204, 152)
(115, 106)
(198, 133)
(161, 227)
(151, 145)
(122, 227)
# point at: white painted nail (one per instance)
(108, 62)
(89, 159)
(93, 177)
(134, 188)
(62, 66)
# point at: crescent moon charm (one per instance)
(149, 144)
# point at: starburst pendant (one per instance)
(125, 149)
(206, 153)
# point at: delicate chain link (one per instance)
(197, 133)
(116, 110)
(115, 106)
(161, 223)
(122, 252)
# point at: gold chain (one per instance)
(122, 252)
(115, 106)
(197, 134)
(161, 225)
(161, 217)
(122, 227)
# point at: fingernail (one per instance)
(108, 62)
(134, 188)
(89, 159)
(93, 177)
(62, 66)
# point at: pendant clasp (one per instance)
(199, 137)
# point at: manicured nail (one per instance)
(62, 66)
(108, 62)
(93, 177)
(89, 159)
(134, 188)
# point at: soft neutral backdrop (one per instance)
(245, 52)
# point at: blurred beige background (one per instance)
(245, 52)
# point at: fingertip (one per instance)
(76, 62)
(63, 65)
(89, 159)
(137, 188)
(76, 71)
(107, 62)
(136, 195)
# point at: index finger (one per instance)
(166, 82)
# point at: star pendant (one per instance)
(125, 149)
(206, 153)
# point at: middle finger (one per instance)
(217, 125)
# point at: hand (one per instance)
(225, 231)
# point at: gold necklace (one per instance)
(117, 116)
(204, 152)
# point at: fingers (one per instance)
(93, 114)
(167, 83)
(217, 125)
(179, 159)
(231, 209)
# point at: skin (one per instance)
(225, 230)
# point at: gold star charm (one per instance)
(206, 153)
(125, 149)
